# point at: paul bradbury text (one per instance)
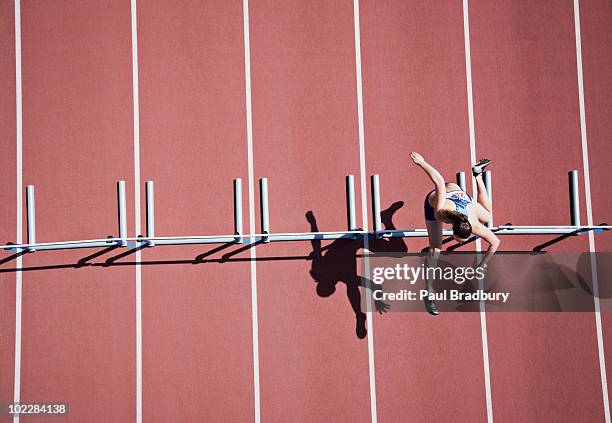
(448, 295)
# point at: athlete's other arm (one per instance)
(381, 306)
(435, 177)
(316, 243)
(485, 233)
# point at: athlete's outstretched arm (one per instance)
(435, 177)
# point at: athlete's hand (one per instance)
(381, 307)
(310, 217)
(417, 158)
(481, 270)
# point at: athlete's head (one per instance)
(462, 229)
(325, 289)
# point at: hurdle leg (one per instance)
(376, 219)
(350, 203)
(264, 211)
(122, 215)
(31, 217)
(574, 198)
(150, 204)
(461, 180)
(238, 230)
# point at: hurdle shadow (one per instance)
(337, 263)
(112, 260)
(12, 257)
(201, 258)
(546, 285)
(85, 261)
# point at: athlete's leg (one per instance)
(482, 194)
(354, 296)
(482, 207)
(431, 262)
(451, 186)
(483, 203)
(434, 233)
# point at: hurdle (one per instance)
(32, 245)
(266, 236)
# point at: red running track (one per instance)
(79, 328)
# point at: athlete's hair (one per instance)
(461, 226)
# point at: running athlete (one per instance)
(448, 203)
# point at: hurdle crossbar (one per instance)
(293, 236)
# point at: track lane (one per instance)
(527, 119)
(415, 100)
(196, 318)
(313, 367)
(596, 36)
(78, 324)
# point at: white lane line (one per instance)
(252, 228)
(587, 190)
(364, 208)
(138, 275)
(483, 318)
(18, 274)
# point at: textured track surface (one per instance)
(79, 324)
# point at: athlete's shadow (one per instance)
(337, 262)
